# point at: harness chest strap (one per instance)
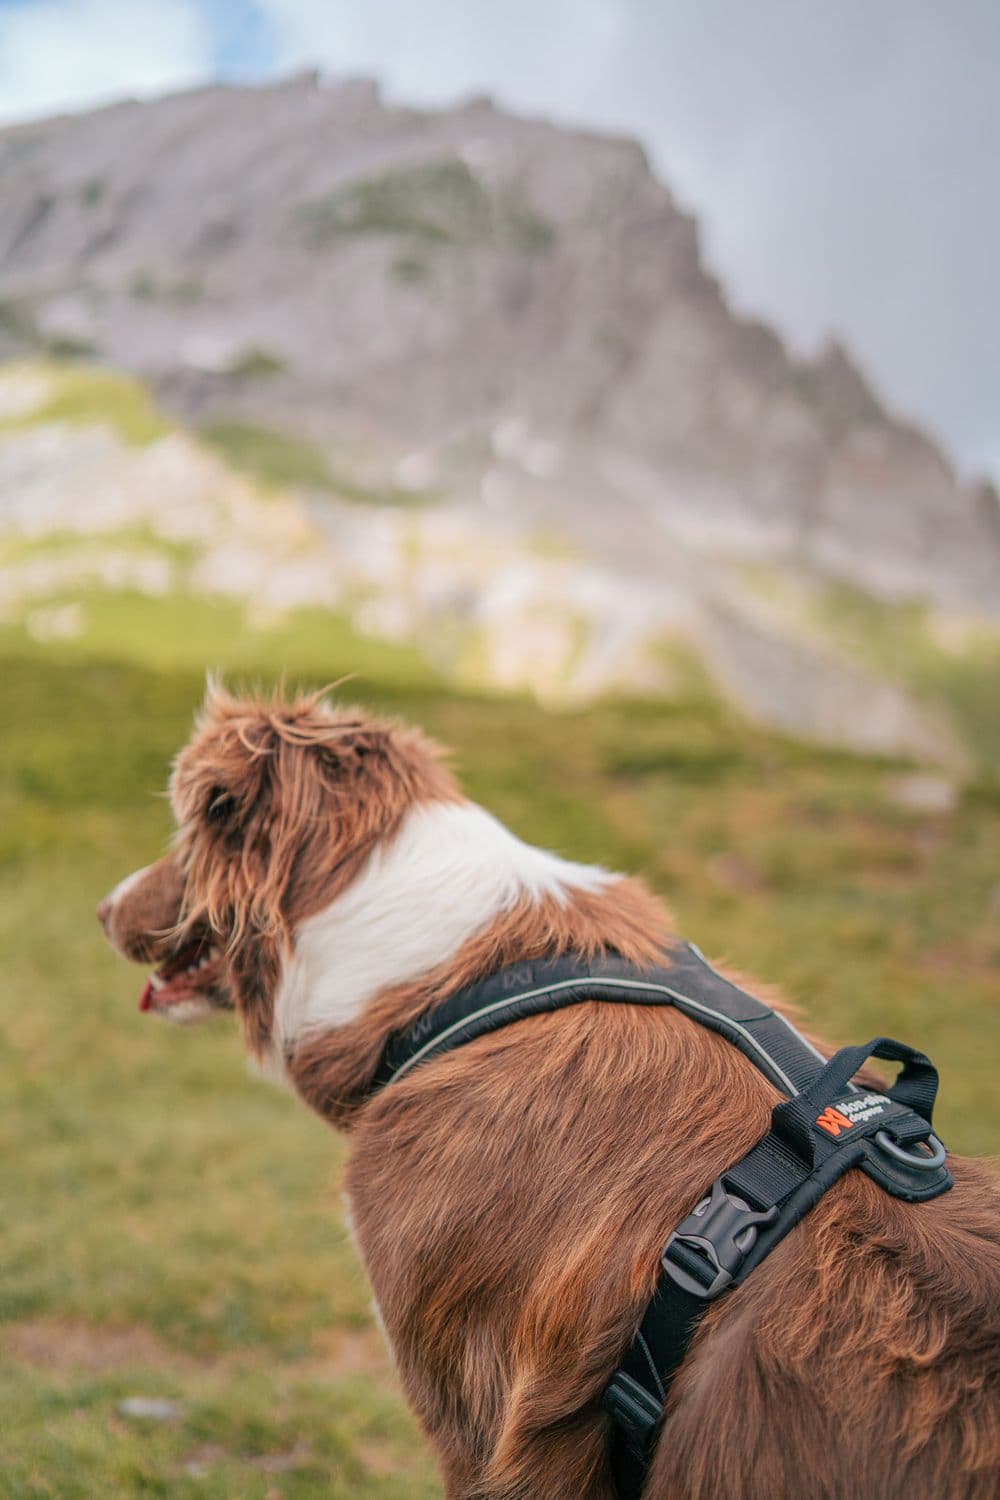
(824, 1127)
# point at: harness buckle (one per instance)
(706, 1250)
(635, 1411)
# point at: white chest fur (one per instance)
(451, 870)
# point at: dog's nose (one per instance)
(104, 912)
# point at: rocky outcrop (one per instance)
(404, 286)
(803, 687)
(99, 496)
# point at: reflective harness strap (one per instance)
(824, 1126)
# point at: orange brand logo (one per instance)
(832, 1121)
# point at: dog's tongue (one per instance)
(184, 976)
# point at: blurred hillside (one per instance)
(462, 379)
(124, 533)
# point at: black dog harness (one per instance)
(825, 1126)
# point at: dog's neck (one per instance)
(450, 870)
(451, 896)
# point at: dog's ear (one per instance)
(278, 805)
(322, 789)
(290, 828)
(271, 820)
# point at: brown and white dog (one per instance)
(330, 882)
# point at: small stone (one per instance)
(923, 792)
(149, 1408)
(201, 1461)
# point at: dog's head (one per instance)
(278, 804)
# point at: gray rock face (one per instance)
(397, 281)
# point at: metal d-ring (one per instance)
(919, 1163)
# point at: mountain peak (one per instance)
(385, 280)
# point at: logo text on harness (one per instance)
(857, 1109)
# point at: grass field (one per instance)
(171, 1228)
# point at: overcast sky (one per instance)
(843, 157)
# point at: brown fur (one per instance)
(140, 923)
(511, 1198)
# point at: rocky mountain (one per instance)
(475, 306)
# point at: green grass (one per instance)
(90, 395)
(141, 539)
(67, 346)
(257, 364)
(171, 1227)
(437, 203)
(191, 631)
(93, 192)
(280, 459)
(899, 639)
(411, 268)
(17, 321)
(142, 286)
(273, 458)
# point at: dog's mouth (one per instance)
(193, 973)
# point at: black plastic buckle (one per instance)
(707, 1249)
(634, 1410)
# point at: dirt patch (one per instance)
(956, 960)
(735, 873)
(71, 1345)
(203, 1459)
(342, 1351)
(377, 1461)
(282, 1463)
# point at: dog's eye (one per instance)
(220, 805)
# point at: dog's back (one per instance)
(544, 1168)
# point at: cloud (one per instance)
(60, 55)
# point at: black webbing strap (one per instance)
(815, 1137)
(823, 1127)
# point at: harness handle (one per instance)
(914, 1089)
